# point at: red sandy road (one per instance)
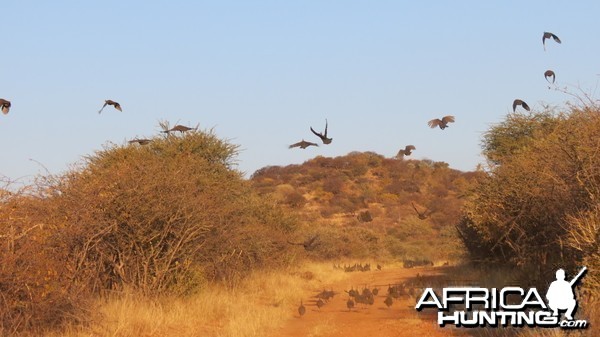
(335, 320)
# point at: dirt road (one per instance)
(334, 319)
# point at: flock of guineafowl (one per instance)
(367, 296)
(442, 123)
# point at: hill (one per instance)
(363, 204)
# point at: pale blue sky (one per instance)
(262, 72)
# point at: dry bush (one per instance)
(537, 208)
(160, 218)
(36, 285)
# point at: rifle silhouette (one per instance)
(576, 278)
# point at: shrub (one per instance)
(158, 218)
(541, 192)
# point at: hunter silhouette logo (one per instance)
(560, 294)
(509, 306)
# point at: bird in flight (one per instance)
(4, 105)
(442, 123)
(421, 215)
(550, 73)
(302, 144)
(178, 127)
(111, 102)
(142, 141)
(521, 103)
(548, 35)
(323, 136)
(407, 151)
(308, 244)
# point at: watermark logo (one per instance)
(509, 306)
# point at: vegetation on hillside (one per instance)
(364, 205)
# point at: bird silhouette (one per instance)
(110, 102)
(350, 304)
(550, 73)
(323, 136)
(301, 309)
(548, 35)
(180, 128)
(442, 123)
(407, 151)
(388, 301)
(521, 103)
(422, 215)
(4, 105)
(142, 141)
(302, 144)
(320, 303)
(308, 244)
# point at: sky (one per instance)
(260, 73)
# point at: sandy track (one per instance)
(334, 319)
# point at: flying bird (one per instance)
(303, 144)
(550, 73)
(407, 151)
(422, 215)
(142, 141)
(111, 102)
(180, 128)
(323, 136)
(521, 103)
(4, 105)
(442, 123)
(548, 35)
(308, 244)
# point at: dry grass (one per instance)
(262, 303)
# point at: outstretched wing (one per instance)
(556, 38)
(415, 208)
(310, 243)
(296, 145)
(525, 106)
(448, 119)
(515, 103)
(410, 148)
(105, 104)
(434, 122)
(325, 134)
(118, 106)
(316, 133)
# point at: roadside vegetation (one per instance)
(537, 209)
